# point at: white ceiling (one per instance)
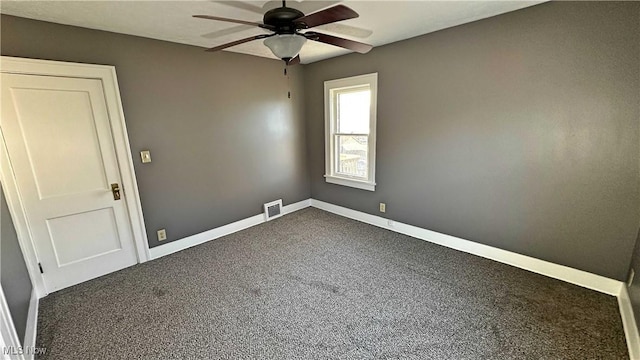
(380, 22)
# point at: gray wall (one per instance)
(14, 277)
(224, 137)
(518, 131)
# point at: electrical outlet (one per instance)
(383, 207)
(145, 156)
(162, 234)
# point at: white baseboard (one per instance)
(561, 272)
(629, 324)
(212, 234)
(32, 324)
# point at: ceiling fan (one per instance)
(286, 23)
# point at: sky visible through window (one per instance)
(353, 112)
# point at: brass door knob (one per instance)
(115, 189)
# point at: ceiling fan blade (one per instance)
(309, 7)
(242, 5)
(294, 61)
(246, 5)
(208, 17)
(332, 14)
(344, 29)
(238, 42)
(226, 31)
(341, 42)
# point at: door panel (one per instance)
(69, 116)
(60, 145)
(100, 225)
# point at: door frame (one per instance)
(8, 335)
(107, 75)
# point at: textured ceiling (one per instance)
(380, 22)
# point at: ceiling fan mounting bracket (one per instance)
(282, 19)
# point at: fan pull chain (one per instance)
(288, 82)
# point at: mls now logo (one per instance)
(19, 350)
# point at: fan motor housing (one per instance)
(282, 18)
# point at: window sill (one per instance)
(364, 185)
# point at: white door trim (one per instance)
(107, 74)
(14, 203)
(9, 340)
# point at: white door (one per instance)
(60, 145)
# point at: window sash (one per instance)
(336, 158)
(335, 135)
(350, 134)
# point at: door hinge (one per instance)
(40, 266)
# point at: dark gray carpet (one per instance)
(313, 285)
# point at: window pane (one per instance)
(353, 111)
(352, 155)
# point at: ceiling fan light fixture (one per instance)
(286, 41)
(285, 46)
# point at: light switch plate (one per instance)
(145, 155)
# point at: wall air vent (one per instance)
(272, 210)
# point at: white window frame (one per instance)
(331, 88)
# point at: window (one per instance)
(350, 131)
